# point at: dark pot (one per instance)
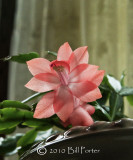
(102, 140)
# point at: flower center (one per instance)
(62, 69)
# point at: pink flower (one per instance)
(69, 76)
(81, 115)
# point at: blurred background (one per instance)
(105, 26)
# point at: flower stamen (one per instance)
(62, 70)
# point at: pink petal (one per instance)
(45, 108)
(40, 86)
(79, 56)
(90, 109)
(39, 65)
(64, 52)
(48, 77)
(82, 88)
(80, 117)
(91, 96)
(83, 72)
(63, 103)
(98, 77)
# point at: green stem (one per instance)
(33, 97)
(53, 53)
(114, 108)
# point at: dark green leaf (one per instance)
(116, 104)
(130, 100)
(22, 58)
(5, 125)
(126, 91)
(8, 131)
(28, 138)
(104, 87)
(13, 104)
(44, 128)
(114, 83)
(100, 113)
(105, 95)
(36, 123)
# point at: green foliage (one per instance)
(13, 104)
(28, 138)
(6, 125)
(22, 58)
(126, 91)
(114, 83)
(116, 104)
(113, 92)
(15, 114)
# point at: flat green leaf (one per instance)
(5, 125)
(126, 91)
(114, 83)
(13, 104)
(116, 104)
(7, 131)
(15, 114)
(100, 113)
(44, 128)
(104, 87)
(35, 123)
(130, 100)
(28, 138)
(22, 58)
(105, 95)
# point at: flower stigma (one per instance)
(61, 70)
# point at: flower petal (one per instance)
(45, 108)
(63, 103)
(64, 52)
(90, 109)
(82, 88)
(91, 96)
(83, 72)
(40, 86)
(39, 65)
(48, 77)
(79, 56)
(80, 117)
(98, 77)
